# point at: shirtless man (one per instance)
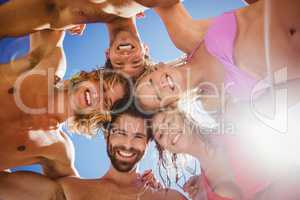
(32, 106)
(126, 51)
(127, 138)
(57, 14)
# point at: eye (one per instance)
(139, 137)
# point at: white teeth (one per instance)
(87, 97)
(125, 47)
(170, 82)
(125, 154)
(175, 140)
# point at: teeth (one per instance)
(125, 154)
(87, 97)
(170, 82)
(175, 140)
(125, 47)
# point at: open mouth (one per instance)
(87, 97)
(170, 82)
(126, 154)
(125, 46)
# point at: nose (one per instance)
(127, 143)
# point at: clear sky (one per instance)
(87, 51)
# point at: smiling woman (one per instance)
(94, 94)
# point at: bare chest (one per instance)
(22, 142)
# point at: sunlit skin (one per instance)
(126, 50)
(128, 136)
(166, 84)
(37, 139)
(91, 96)
(174, 135)
(71, 13)
(126, 144)
(249, 53)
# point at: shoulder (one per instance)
(171, 194)
(78, 188)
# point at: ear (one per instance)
(107, 53)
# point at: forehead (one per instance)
(131, 124)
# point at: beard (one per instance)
(123, 166)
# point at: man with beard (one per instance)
(127, 137)
(34, 102)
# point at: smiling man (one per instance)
(127, 138)
(34, 102)
(126, 51)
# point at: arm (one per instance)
(157, 3)
(28, 186)
(58, 158)
(191, 33)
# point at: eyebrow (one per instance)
(140, 134)
(156, 90)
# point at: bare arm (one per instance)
(58, 155)
(185, 32)
(28, 186)
(157, 3)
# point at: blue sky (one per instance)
(87, 51)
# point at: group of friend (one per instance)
(180, 105)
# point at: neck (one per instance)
(122, 178)
(122, 24)
(61, 104)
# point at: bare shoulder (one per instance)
(28, 185)
(56, 151)
(170, 194)
(77, 188)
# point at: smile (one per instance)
(87, 97)
(125, 154)
(125, 46)
(170, 82)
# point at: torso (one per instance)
(106, 189)
(24, 137)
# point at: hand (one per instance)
(148, 179)
(77, 29)
(195, 189)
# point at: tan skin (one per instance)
(130, 61)
(57, 14)
(37, 139)
(249, 52)
(114, 184)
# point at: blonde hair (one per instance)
(89, 124)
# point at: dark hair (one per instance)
(131, 110)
